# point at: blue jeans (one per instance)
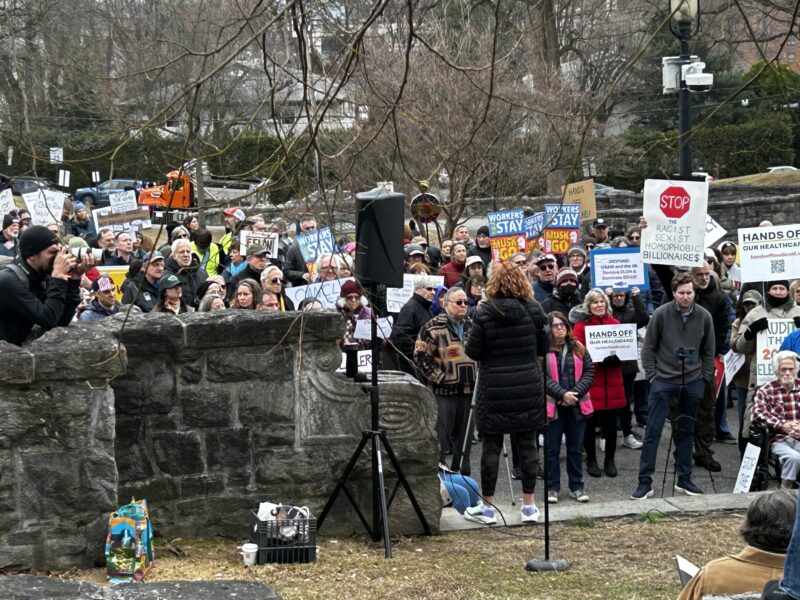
(662, 394)
(573, 430)
(721, 412)
(791, 566)
(462, 490)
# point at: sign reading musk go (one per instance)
(674, 202)
(676, 217)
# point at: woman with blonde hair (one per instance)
(608, 390)
(508, 339)
(272, 281)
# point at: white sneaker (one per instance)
(552, 497)
(602, 444)
(480, 514)
(530, 514)
(632, 442)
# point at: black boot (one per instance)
(610, 468)
(592, 468)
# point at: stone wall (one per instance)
(218, 411)
(58, 478)
(204, 416)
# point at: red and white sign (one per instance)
(676, 217)
(674, 202)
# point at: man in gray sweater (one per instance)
(678, 352)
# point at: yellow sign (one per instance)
(581, 192)
(505, 247)
(558, 241)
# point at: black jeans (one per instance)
(525, 443)
(607, 420)
(451, 428)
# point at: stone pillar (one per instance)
(58, 478)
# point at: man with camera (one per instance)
(678, 360)
(40, 287)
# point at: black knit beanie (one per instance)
(35, 239)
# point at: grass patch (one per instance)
(652, 517)
(624, 559)
(582, 522)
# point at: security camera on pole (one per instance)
(684, 74)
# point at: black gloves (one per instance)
(612, 361)
(756, 326)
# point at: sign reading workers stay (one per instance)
(619, 269)
(314, 243)
(769, 253)
(767, 344)
(608, 340)
(507, 233)
(676, 216)
(534, 229)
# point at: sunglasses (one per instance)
(459, 302)
(182, 235)
(634, 237)
(276, 280)
(558, 326)
(430, 289)
(547, 267)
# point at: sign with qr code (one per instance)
(769, 253)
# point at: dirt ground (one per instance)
(629, 559)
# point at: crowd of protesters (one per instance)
(512, 333)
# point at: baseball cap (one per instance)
(154, 256)
(238, 213)
(256, 250)
(545, 258)
(599, 223)
(419, 240)
(168, 281)
(473, 260)
(413, 249)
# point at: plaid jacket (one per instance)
(775, 405)
(439, 354)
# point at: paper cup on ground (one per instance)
(249, 553)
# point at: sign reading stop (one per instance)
(674, 202)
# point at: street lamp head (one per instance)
(683, 11)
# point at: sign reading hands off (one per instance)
(676, 216)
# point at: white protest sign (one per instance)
(768, 253)
(733, 362)
(364, 362)
(7, 201)
(618, 268)
(45, 206)
(56, 155)
(714, 231)
(396, 298)
(607, 340)
(767, 344)
(676, 214)
(325, 292)
(267, 239)
(747, 469)
(363, 329)
(121, 202)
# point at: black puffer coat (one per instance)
(508, 339)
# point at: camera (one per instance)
(694, 77)
(79, 253)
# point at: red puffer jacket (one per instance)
(607, 391)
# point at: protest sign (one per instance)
(131, 220)
(767, 344)
(117, 274)
(747, 469)
(507, 233)
(325, 292)
(733, 362)
(363, 330)
(7, 201)
(582, 194)
(769, 253)
(397, 297)
(558, 241)
(267, 239)
(676, 214)
(364, 362)
(714, 231)
(619, 269)
(123, 202)
(562, 216)
(45, 206)
(534, 230)
(607, 340)
(314, 243)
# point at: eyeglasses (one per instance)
(328, 268)
(547, 267)
(459, 302)
(558, 326)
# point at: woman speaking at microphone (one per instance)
(508, 339)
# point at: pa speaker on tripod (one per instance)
(379, 237)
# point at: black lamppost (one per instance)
(683, 13)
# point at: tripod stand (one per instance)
(377, 438)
